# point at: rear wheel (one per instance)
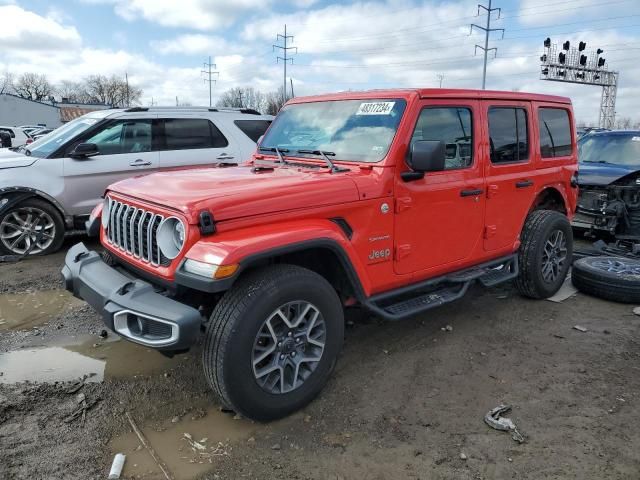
(273, 341)
(33, 227)
(545, 254)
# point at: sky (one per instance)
(162, 44)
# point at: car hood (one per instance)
(235, 192)
(11, 159)
(602, 173)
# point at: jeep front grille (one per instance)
(134, 230)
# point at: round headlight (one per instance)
(106, 212)
(171, 236)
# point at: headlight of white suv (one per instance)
(171, 237)
(106, 212)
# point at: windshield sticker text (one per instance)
(375, 108)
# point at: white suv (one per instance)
(13, 137)
(52, 185)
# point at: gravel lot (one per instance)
(407, 399)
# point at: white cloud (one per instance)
(194, 44)
(27, 31)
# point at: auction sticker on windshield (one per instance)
(375, 108)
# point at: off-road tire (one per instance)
(618, 287)
(234, 324)
(51, 211)
(538, 228)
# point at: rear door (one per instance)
(195, 140)
(127, 146)
(440, 218)
(510, 171)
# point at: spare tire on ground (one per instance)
(611, 278)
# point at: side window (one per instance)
(192, 133)
(454, 127)
(123, 136)
(253, 129)
(508, 134)
(555, 132)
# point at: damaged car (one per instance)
(609, 181)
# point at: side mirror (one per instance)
(425, 156)
(84, 150)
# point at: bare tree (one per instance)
(6, 82)
(624, 123)
(73, 92)
(243, 97)
(33, 86)
(112, 91)
(274, 102)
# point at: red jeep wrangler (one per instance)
(394, 200)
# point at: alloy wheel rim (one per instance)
(27, 230)
(554, 256)
(618, 266)
(288, 347)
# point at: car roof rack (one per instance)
(137, 109)
(247, 111)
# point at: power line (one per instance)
(209, 73)
(487, 30)
(284, 58)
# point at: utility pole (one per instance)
(440, 77)
(126, 79)
(291, 80)
(209, 73)
(285, 38)
(240, 98)
(487, 30)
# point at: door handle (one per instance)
(224, 156)
(471, 193)
(524, 184)
(139, 163)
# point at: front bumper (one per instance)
(131, 308)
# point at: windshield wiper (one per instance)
(325, 155)
(278, 151)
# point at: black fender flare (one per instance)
(16, 195)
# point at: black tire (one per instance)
(37, 207)
(229, 346)
(610, 278)
(540, 228)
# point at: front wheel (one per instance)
(272, 341)
(545, 254)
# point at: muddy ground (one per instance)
(407, 399)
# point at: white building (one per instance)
(15, 110)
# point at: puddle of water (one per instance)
(26, 310)
(113, 358)
(53, 364)
(219, 429)
(126, 359)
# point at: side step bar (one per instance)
(409, 301)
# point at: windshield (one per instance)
(51, 142)
(616, 149)
(355, 130)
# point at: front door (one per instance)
(510, 174)
(127, 148)
(440, 218)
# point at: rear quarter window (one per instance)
(555, 132)
(192, 133)
(253, 129)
